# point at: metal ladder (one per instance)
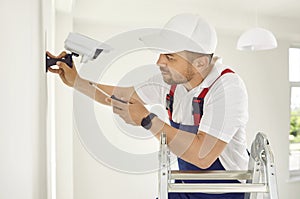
(260, 178)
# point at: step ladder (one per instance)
(260, 178)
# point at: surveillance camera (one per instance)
(88, 48)
(78, 44)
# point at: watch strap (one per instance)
(147, 121)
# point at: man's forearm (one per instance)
(100, 92)
(181, 143)
(189, 146)
(86, 87)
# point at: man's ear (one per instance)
(201, 62)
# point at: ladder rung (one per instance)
(206, 175)
(217, 188)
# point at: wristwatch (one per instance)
(146, 121)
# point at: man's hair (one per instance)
(191, 56)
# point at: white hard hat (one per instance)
(184, 32)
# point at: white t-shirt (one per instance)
(225, 110)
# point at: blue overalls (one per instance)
(183, 165)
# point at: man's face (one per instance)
(175, 68)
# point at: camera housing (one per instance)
(82, 45)
(79, 45)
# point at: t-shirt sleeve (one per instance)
(226, 108)
(153, 91)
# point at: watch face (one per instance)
(146, 123)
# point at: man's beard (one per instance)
(178, 78)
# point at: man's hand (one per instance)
(132, 112)
(68, 75)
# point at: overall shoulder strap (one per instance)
(169, 101)
(198, 102)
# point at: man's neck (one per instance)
(197, 79)
(193, 83)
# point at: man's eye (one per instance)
(170, 58)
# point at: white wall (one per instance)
(63, 116)
(266, 78)
(93, 179)
(23, 101)
(23, 110)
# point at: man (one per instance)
(206, 101)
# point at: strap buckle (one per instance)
(197, 109)
(169, 102)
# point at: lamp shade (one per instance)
(256, 39)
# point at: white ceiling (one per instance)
(224, 14)
(152, 10)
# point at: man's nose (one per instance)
(161, 62)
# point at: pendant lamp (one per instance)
(256, 39)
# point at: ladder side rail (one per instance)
(270, 171)
(260, 176)
(164, 167)
(257, 164)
